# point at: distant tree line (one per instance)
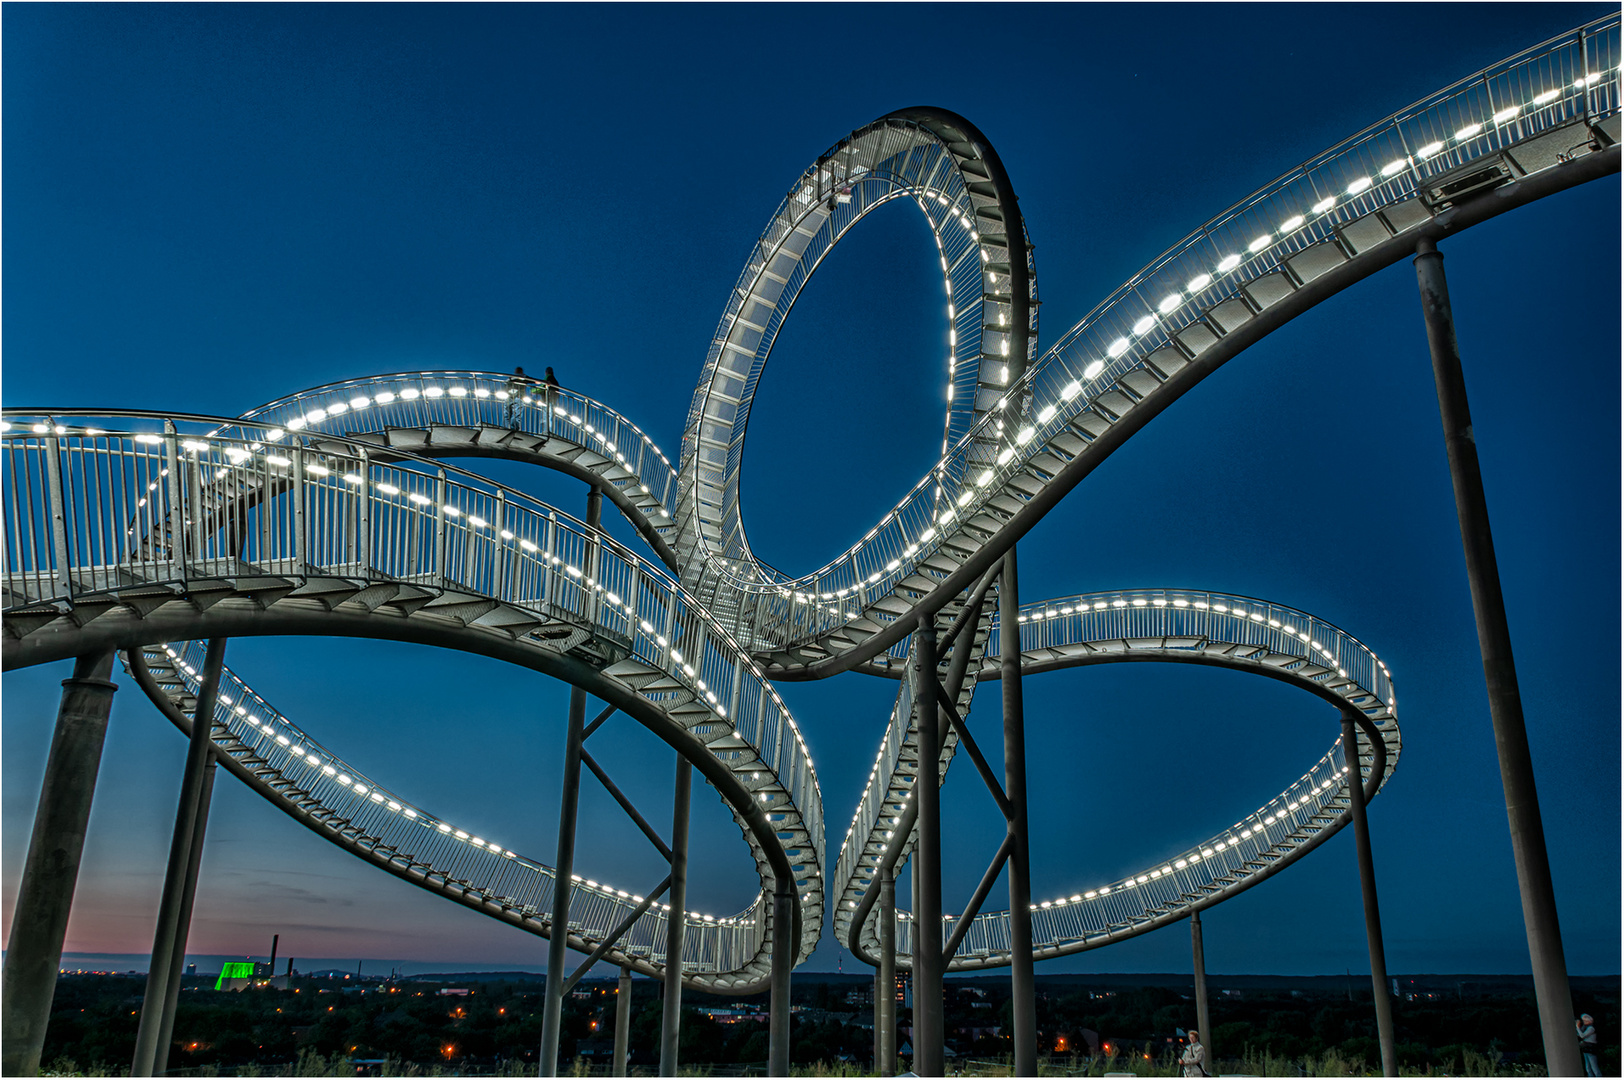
(497, 1024)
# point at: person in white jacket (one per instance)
(1588, 1044)
(1195, 1056)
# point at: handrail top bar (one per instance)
(396, 456)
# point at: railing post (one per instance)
(441, 556)
(591, 557)
(301, 542)
(929, 1059)
(174, 914)
(500, 567)
(57, 496)
(550, 572)
(176, 516)
(363, 516)
(197, 534)
(1544, 931)
(39, 922)
(676, 924)
(1367, 887)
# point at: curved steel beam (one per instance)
(243, 617)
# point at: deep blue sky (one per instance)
(207, 207)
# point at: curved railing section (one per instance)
(947, 168)
(447, 413)
(1536, 112)
(1264, 842)
(104, 515)
(342, 804)
(1172, 625)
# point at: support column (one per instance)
(885, 1001)
(928, 1015)
(1367, 885)
(174, 912)
(1499, 672)
(552, 1012)
(623, 1020)
(177, 957)
(1023, 987)
(51, 870)
(783, 960)
(1203, 1019)
(671, 1016)
(564, 866)
(878, 1056)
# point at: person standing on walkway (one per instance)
(1588, 1044)
(1194, 1059)
(518, 385)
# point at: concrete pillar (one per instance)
(1550, 968)
(174, 911)
(1203, 1019)
(177, 956)
(1367, 886)
(39, 924)
(623, 1020)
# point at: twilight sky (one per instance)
(208, 207)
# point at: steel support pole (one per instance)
(39, 924)
(885, 1000)
(1499, 672)
(552, 1010)
(564, 866)
(623, 1020)
(1023, 987)
(174, 913)
(928, 1014)
(1367, 886)
(783, 961)
(671, 1015)
(1203, 1019)
(177, 957)
(878, 1056)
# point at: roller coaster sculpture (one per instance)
(333, 512)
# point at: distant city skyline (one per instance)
(209, 207)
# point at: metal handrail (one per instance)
(93, 510)
(1579, 68)
(324, 787)
(483, 399)
(1307, 649)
